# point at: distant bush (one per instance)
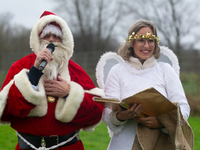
(2, 77)
(191, 85)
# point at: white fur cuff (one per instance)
(67, 109)
(96, 91)
(114, 120)
(112, 128)
(3, 98)
(25, 87)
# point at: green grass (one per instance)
(97, 140)
(191, 84)
(8, 138)
(195, 124)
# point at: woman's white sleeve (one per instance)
(174, 89)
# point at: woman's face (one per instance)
(143, 49)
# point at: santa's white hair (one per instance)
(50, 28)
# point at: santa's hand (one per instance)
(150, 122)
(43, 55)
(58, 88)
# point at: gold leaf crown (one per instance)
(134, 36)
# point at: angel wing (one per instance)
(106, 62)
(109, 59)
(168, 56)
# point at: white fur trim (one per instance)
(66, 109)
(67, 38)
(3, 98)
(41, 109)
(25, 87)
(50, 28)
(96, 91)
(135, 62)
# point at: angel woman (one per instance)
(139, 70)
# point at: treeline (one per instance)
(14, 41)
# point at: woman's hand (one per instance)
(150, 122)
(133, 112)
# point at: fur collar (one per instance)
(135, 62)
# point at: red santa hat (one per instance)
(52, 27)
(50, 23)
(45, 13)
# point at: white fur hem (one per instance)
(66, 109)
(25, 87)
(3, 99)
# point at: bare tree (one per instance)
(177, 20)
(5, 33)
(14, 42)
(92, 20)
(93, 23)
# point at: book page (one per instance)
(153, 102)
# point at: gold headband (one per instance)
(134, 36)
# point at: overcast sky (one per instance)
(26, 12)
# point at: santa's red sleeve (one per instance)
(12, 102)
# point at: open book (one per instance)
(153, 102)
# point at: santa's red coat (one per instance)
(23, 108)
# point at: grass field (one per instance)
(97, 140)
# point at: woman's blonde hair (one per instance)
(126, 50)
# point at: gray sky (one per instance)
(26, 12)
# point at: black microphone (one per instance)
(43, 63)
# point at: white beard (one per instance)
(59, 62)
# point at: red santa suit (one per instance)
(27, 109)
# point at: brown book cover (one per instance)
(153, 102)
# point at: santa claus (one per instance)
(48, 107)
